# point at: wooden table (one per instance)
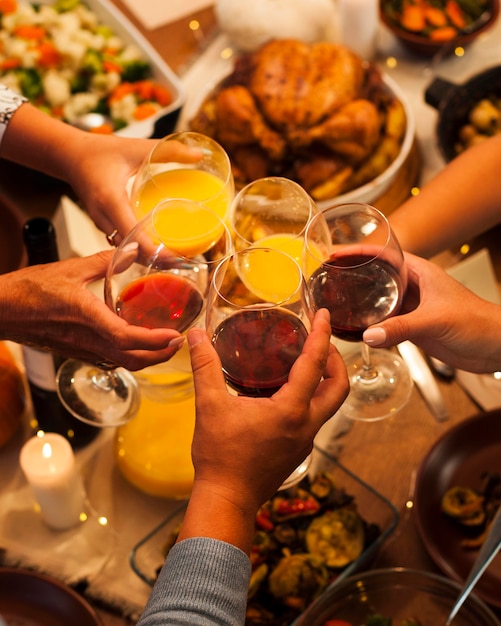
(386, 454)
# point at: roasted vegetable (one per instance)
(298, 579)
(337, 537)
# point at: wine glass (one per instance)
(360, 276)
(271, 212)
(158, 278)
(258, 322)
(171, 171)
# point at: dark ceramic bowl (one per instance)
(28, 597)
(423, 46)
(454, 101)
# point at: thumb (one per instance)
(388, 333)
(205, 363)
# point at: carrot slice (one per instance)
(8, 6)
(455, 14)
(443, 34)
(413, 18)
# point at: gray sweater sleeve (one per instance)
(203, 582)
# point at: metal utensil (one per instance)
(487, 552)
(424, 380)
(90, 121)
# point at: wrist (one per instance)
(216, 512)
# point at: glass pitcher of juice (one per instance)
(153, 450)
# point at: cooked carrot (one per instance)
(162, 95)
(9, 64)
(48, 55)
(455, 14)
(112, 66)
(120, 91)
(144, 110)
(104, 129)
(446, 33)
(8, 6)
(413, 18)
(30, 31)
(144, 89)
(435, 17)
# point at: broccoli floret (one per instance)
(135, 70)
(30, 82)
(92, 63)
(62, 6)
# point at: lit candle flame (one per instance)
(47, 451)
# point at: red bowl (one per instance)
(422, 45)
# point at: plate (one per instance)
(458, 458)
(31, 599)
(12, 254)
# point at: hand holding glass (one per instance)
(158, 278)
(360, 277)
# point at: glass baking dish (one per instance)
(148, 555)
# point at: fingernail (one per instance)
(375, 336)
(195, 336)
(176, 343)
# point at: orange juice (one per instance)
(191, 184)
(189, 229)
(153, 450)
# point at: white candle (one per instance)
(48, 464)
(358, 25)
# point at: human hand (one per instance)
(243, 447)
(50, 305)
(102, 168)
(445, 319)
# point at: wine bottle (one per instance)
(40, 241)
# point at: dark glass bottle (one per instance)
(39, 237)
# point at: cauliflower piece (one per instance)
(88, 19)
(131, 53)
(90, 40)
(70, 48)
(79, 104)
(56, 88)
(103, 84)
(25, 14)
(124, 109)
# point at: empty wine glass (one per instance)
(355, 268)
(271, 212)
(257, 318)
(158, 278)
(171, 171)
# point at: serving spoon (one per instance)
(487, 552)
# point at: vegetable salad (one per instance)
(68, 64)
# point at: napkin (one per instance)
(156, 13)
(477, 273)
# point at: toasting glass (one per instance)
(158, 278)
(355, 268)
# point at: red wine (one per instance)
(356, 293)
(160, 300)
(257, 349)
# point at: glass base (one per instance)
(382, 395)
(102, 398)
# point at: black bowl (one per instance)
(454, 101)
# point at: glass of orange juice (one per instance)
(272, 212)
(184, 165)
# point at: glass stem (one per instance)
(368, 372)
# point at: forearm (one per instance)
(35, 140)
(203, 582)
(462, 201)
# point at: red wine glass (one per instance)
(356, 270)
(257, 318)
(158, 278)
